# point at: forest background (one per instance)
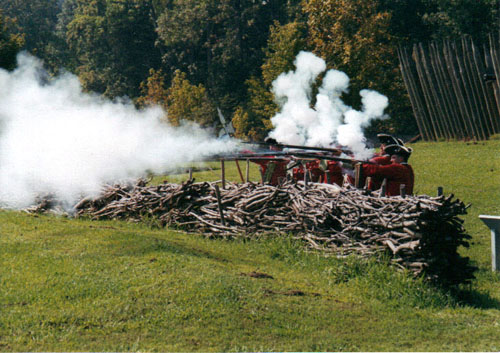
(193, 56)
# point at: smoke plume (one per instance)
(56, 139)
(330, 121)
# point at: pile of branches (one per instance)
(421, 233)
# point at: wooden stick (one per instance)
(306, 175)
(247, 171)
(223, 173)
(239, 171)
(402, 190)
(357, 175)
(219, 203)
(328, 177)
(383, 188)
(411, 94)
(368, 183)
(337, 221)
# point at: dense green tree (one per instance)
(454, 18)
(10, 44)
(36, 21)
(181, 101)
(235, 48)
(60, 54)
(355, 36)
(217, 43)
(188, 102)
(153, 90)
(424, 20)
(284, 43)
(112, 42)
(406, 21)
(361, 37)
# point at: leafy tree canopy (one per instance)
(188, 102)
(284, 43)
(113, 44)
(217, 43)
(10, 45)
(182, 100)
(36, 21)
(454, 18)
(355, 36)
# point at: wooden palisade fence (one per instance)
(454, 88)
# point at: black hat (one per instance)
(387, 139)
(270, 141)
(391, 149)
(403, 151)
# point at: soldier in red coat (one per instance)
(320, 171)
(397, 173)
(312, 167)
(384, 158)
(272, 169)
(315, 170)
(387, 145)
(332, 173)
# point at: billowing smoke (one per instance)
(330, 122)
(56, 139)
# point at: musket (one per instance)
(280, 145)
(282, 155)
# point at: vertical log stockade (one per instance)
(454, 88)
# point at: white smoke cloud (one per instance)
(331, 121)
(56, 139)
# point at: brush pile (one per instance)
(421, 233)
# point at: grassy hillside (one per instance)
(68, 285)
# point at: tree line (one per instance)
(192, 56)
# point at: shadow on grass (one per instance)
(468, 296)
(476, 299)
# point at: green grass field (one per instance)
(78, 285)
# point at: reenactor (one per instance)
(319, 171)
(398, 173)
(272, 171)
(387, 144)
(312, 167)
(332, 173)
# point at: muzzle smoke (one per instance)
(56, 139)
(331, 121)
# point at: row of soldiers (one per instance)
(390, 164)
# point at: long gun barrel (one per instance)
(280, 155)
(280, 145)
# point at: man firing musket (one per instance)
(397, 173)
(321, 164)
(272, 169)
(388, 144)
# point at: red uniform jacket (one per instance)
(313, 167)
(395, 173)
(316, 171)
(382, 160)
(376, 182)
(273, 172)
(333, 173)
